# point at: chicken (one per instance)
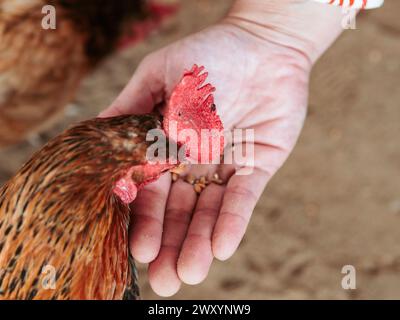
(67, 210)
(40, 69)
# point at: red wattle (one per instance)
(126, 189)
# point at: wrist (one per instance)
(304, 26)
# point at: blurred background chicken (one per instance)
(40, 69)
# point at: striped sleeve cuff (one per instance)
(356, 4)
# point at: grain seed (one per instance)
(198, 188)
(175, 176)
(190, 179)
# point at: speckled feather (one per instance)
(59, 210)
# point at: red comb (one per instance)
(191, 106)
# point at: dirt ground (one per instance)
(336, 201)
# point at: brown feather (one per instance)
(60, 211)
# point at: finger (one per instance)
(243, 190)
(147, 219)
(144, 90)
(163, 275)
(196, 255)
(241, 195)
(226, 171)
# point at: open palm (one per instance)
(260, 85)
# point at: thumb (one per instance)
(144, 90)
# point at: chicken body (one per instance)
(63, 231)
(40, 69)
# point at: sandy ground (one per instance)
(335, 202)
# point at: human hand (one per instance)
(261, 84)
